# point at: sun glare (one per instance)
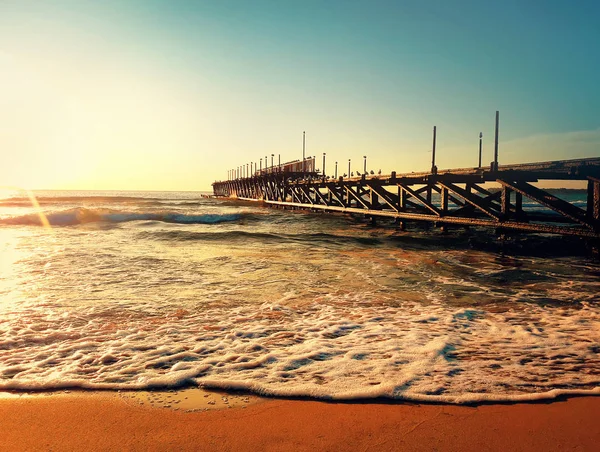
(11, 192)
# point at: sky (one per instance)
(170, 95)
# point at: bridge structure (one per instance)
(502, 197)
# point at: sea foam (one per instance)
(332, 352)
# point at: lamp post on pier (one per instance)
(349, 167)
(303, 150)
(335, 170)
(272, 155)
(480, 137)
(496, 141)
(323, 173)
(365, 165)
(433, 167)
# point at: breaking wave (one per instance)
(82, 215)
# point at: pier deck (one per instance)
(464, 196)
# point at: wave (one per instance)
(82, 215)
(49, 200)
(95, 200)
(317, 239)
(172, 383)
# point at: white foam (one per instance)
(336, 352)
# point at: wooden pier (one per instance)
(489, 197)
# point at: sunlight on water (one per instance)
(142, 290)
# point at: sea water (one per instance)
(139, 290)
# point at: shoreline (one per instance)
(111, 420)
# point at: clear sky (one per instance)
(169, 95)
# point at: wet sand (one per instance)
(112, 421)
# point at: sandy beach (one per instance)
(110, 421)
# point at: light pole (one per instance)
(365, 166)
(303, 149)
(433, 168)
(480, 137)
(496, 141)
(323, 173)
(336, 170)
(272, 155)
(279, 157)
(349, 167)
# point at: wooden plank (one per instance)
(423, 201)
(515, 225)
(546, 199)
(357, 197)
(474, 200)
(336, 195)
(387, 197)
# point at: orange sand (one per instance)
(109, 422)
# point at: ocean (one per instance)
(156, 290)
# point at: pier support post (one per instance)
(444, 201)
(518, 205)
(505, 202)
(400, 224)
(374, 200)
(402, 198)
(593, 201)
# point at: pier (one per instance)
(487, 197)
